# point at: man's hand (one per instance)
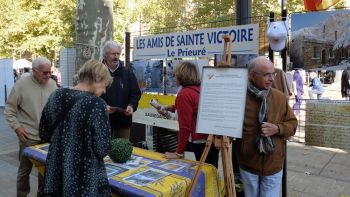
(129, 110)
(22, 134)
(269, 129)
(109, 110)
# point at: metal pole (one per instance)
(243, 12)
(272, 18)
(284, 51)
(284, 67)
(5, 93)
(127, 49)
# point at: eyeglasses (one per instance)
(43, 72)
(267, 75)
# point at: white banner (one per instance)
(199, 43)
(6, 79)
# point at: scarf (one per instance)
(265, 145)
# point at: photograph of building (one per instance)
(319, 39)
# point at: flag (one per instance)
(313, 5)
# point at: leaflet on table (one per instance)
(132, 163)
(145, 177)
(117, 109)
(175, 165)
(113, 170)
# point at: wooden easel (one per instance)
(222, 142)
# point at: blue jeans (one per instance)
(261, 186)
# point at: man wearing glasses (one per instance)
(23, 111)
(268, 122)
(124, 93)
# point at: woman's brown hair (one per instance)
(187, 74)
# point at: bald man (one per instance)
(268, 122)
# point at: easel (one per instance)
(221, 142)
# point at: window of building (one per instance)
(315, 52)
(331, 52)
(335, 35)
(343, 53)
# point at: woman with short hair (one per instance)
(75, 122)
(186, 106)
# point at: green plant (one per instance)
(121, 150)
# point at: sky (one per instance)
(310, 19)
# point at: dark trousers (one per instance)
(24, 169)
(198, 149)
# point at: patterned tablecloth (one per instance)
(147, 173)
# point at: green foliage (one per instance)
(36, 27)
(294, 6)
(121, 150)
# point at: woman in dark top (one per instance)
(75, 122)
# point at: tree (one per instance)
(94, 28)
(36, 27)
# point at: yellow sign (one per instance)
(147, 114)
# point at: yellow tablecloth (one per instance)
(149, 174)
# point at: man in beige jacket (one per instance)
(23, 111)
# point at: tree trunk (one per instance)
(94, 26)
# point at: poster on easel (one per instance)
(222, 101)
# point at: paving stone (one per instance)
(337, 171)
(307, 159)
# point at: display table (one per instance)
(147, 173)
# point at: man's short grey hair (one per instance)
(40, 61)
(108, 45)
(252, 63)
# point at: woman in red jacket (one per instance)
(186, 106)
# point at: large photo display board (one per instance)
(222, 101)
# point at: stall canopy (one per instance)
(22, 63)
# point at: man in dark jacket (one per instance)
(268, 122)
(124, 93)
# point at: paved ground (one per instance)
(312, 171)
(9, 161)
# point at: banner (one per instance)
(199, 43)
(313, 5)
(6, 79)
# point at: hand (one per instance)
(22, 134)
(169, 155)
(162, 111)
(269, 129)
(129, 110)
(109, 110)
